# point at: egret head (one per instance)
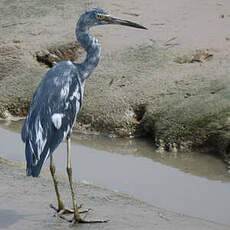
(97, 16)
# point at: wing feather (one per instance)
(52, 114)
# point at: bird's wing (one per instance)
(53, 110)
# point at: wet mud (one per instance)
(25, 205)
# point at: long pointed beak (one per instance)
(111, 20)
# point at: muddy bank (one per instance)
(171, 82)
(28, 206)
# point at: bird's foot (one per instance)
(84, 221)
(77, 219)
(63, 211)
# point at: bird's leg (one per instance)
(77, 218)
(61, 208)
(69, 172)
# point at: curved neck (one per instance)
(92, 48)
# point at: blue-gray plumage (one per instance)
(53, 111)
(57, 101)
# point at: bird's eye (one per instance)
(100, 16)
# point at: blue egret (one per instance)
(57, 101)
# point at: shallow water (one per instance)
(192, 184)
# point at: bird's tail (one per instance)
(33, 164)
